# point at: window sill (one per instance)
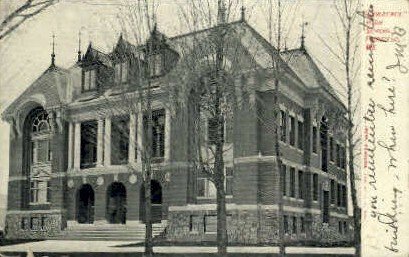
(40, 203)
(194, 232)
(210, 233)
(206, 198)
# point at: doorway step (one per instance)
(110, 232)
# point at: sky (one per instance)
(25, 54)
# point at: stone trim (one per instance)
(14, 212)
(339, 215)
(17, 178)
(212, 207)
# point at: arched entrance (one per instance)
(116, 203)
(85, 204)
(156, 201)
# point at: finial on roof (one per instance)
(243, 13)
(53, 51)
(303, 34)
(79, 46)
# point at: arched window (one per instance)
(39, 136)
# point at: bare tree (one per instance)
(346, 52)
(23, 13)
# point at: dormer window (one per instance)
(155, 65)
(89, 80)
(121, 72)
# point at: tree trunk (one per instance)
(147, 179)
(351, 146)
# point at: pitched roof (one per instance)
(304, 66)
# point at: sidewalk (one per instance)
(69, 246)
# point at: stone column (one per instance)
(139, 136)
(167, 134)
(107, 141)
(100, 143)
(132, 138)
(70, 145)
(77, 146)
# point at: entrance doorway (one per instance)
(156, 201)
(85, 204)
(116, 203)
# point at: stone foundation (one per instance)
(33, 225)
(254, 226)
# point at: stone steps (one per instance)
(134, 232)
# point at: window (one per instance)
(294, 225)
(89, 132)
(121, 72)
(39, 191)
(302, 224)
(340, 230)
(89, 80)
(292, 182)
(339, 195)
(285, 220)
(158, 133)
(283, 126)
(300, 135)
(325, 211)
(292, 131)
(332, 191)
(331, 149)
(206, 188)
(338, 156)
(40, 138)
(300, 184)
(119, 140)
(343, 157)
(43, 223)
(194, 223)
(284, 179)
(229, 181)
(155, 65)
(344, 196)
(345, 226)
(315, 187)
(25, 224)
(210, 223)
(34, 223)
(314, 139)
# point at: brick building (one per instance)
(74, 159)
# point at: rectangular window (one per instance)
(88, 144)
(284, 179)
(300, 135)
(119, 140)
(294, 225)
(343, 157)
(34, 191)
(43, 223)
(340, 227)
(285, 220)
(34, 223)
(345, 227)
(283, 126)
(314, 139)
(25, 224)
(339, 195)
(206, 188)
(325, 213)
(302, 224)
(229, 181)
(300, 184)
(333, 191)
(42, 148)
(338, 155)
(292, 182)
(121, 72)
(344, 196)
(331, 149)
(292, 131)
(158, 134)
(89, 81)
(315, 187)
(210, 223)
(194, 223)
(155, 65)
(48, 191)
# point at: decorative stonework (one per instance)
(133, 179)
